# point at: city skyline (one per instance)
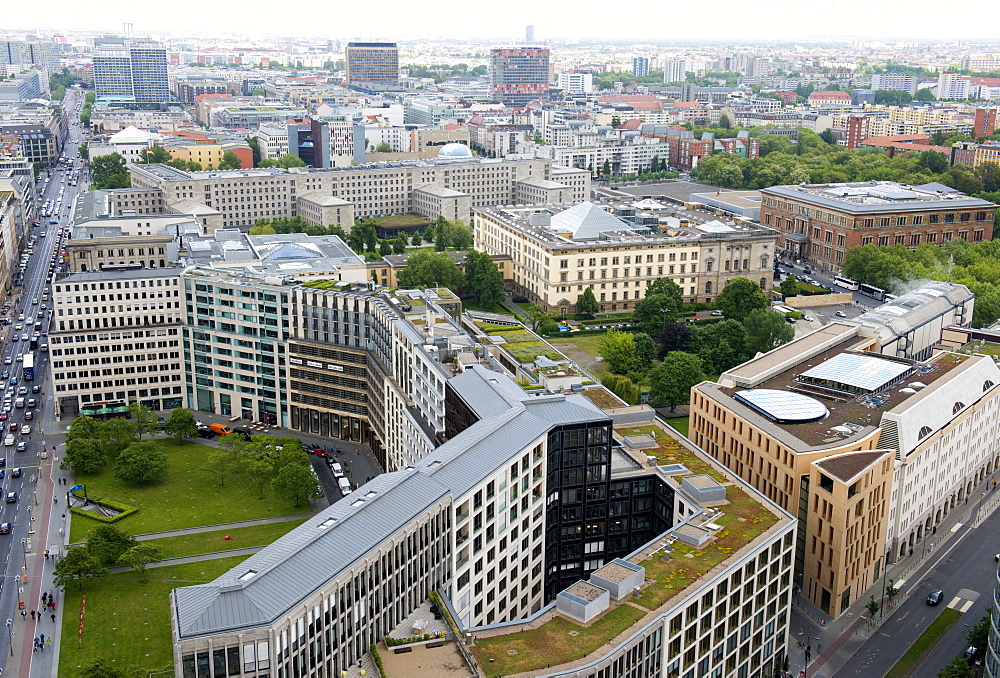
(781, 22)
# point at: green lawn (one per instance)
(187, 497)
(209, 542)
(126, 621)
(917, 652)
(403, 221)
(680, 424)
(471, 304)
(551, 644)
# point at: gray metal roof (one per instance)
(879, 197)
(305, 559)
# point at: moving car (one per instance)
(22, 446)
(11, 497)
(26, 430)
(935, 597)
(840, 314)
(15, 472)
(4, 528)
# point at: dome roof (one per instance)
(454, 151)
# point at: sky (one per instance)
(785, 20)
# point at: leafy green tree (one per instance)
(84, 150)
(933, 161)
(924, 95)
(431, 269)
(586, 303)
(979, 635)
(289, 160)
(230, 161)
(739, 297)
(459, 235)
(267, 162)
(958, 667)
(83, 456)
(141, 463)
(138, 557)
(670, 382)
(989, 174)
(720, 346)
(222, 462)
(667, 287)
(108, 171)
(193, 166)
(384, 147)
(144, 419)
(77, 565)
(256, 469)
(617, 350)
(399, 244)
(789, 287)
(417, 240)
(652, 311)
(621, 386)
(766, 330)
(181, 424)
(606, 169)
(724, 122)
(296, 485)
(483, 278)
(156, 155)
(108, 542)
(674, 337)
(102, 668)
(254, 144)
(645, 349)
(262, 229)
(115, 434)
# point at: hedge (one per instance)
(125, 509)
(378, 660)
(393, 642)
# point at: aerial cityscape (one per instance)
(428, 347)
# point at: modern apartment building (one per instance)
(640, 67)
(559, 251)
(23, 53)
(131, 72)
(115, 339)
(870, 451)
(985, 123)
(244, 196)
(906, 82)
(674, 70)
(519, 74)
(821, 222)
(372, 66)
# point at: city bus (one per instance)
(846, 283)
(28, 366)
(876, 293)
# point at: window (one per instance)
(957, 407)
(987, 385)
(924, 432)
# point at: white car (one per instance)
(809, 318)
(338, 470)
(26, 430)
(345, 486)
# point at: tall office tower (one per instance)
(529, 35)
(520, 74)
(133, 71)
(674, 70)
(640, 67)
(27, 53)
(372, 66)
(985, 123)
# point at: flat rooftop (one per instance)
(878, 196)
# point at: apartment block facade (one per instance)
(372, 66)
(821, 222)
(519, 74)
(133, 72)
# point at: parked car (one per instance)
(935, 597)
(840, 314)
(204, 431)
(243, 432)
(219, 429)
(345, 486)
(338, 470)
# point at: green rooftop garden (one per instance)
(602, 398)
(669, 451)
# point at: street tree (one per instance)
(296, 485)
(789, 287)
(586, 303)
(873, 607)
(671, 381)
(431, 269)
(979, 635)
(766, 330)
(144, 419)
(108, 542)
(740, 296)
(617, 350)
(77, 565)
(230, 161)
(138, 557)
(181, 424)
(83, 456)
(141, 463)
(958, 667)
(84, 428)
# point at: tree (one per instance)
(102, 668)
(483, 278)
(958, 667)
(933, 161)
(739, 297)
(431, 269)
(255, 149)
(645, 349)
(617, 350)
(77, 565)
(108, 542)
(652, 311)
(606, 169)
(383, 147)
(116, 434)
(257, 470)
(83, 456)
(222, 462)
(989, 174)
(262, 229)
(84, 150)
(724, 122)
(667, 287)
(586, 303)
(621, 386)
(671, 381)
(766, 330)
(230, 161)
(789, 287)
(979, 635)
(138, 557)
(181, 424)
(144, 419)
(674, 337)
(156, 155)
(296, 485)
(141, 463)
(289, 160)
(720, 345)
(924, 94)
(108, 171)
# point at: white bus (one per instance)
(846, 283)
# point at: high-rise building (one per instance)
(529, 35)
(372, 66)
(131, 71)
(674, 70)
(27, 53)
(520, 74)
(640, 67)
(986, 122)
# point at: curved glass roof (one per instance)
(783, 407)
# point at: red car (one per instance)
(3, 416)
(13, 426)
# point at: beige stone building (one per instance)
(559, 251)
(149, 241)
(870, 451)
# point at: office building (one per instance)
(675, 70)
(372, 66)
(131, 72)
(640, 67)
(25, 54)
(529, 35)
(871, 451)
(575, 83)
(973, 154)
(906, 82)
(519, 74)
(115, 339)
(619, 251)
(189, 88)
(820, 223)
(30, 84)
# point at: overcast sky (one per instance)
(405, 19)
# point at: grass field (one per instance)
(471, 304)
(187, 497)
(126, 621)
(556, 642)
(680, 424)
(402, 221)
(916, 653)
(583, 350)
(209, 542)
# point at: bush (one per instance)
(393, 642)
(378, 659)
(125, 509)
(519, 300)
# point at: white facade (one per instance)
(577, 83)
(272, 140)
(674, 70)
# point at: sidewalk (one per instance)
(835, 641)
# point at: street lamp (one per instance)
(10, 636)
(808, 653)
(24, 547)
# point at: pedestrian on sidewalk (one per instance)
(32, 615)
(45, 597)
(53, 619)
(24, 615)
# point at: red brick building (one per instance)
(821, 222)
(985, 123)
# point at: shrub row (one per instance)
(125, 509)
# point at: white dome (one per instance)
(454, 151)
